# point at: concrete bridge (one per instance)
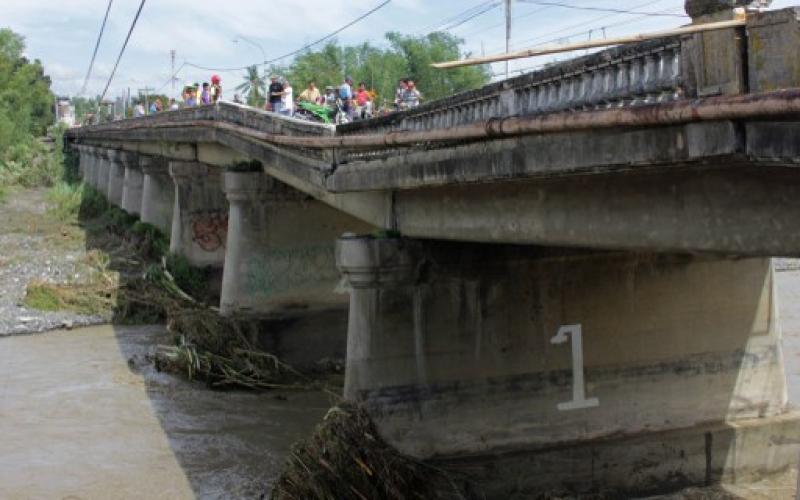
(562, 279)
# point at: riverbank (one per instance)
(36, 246)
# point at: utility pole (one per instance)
(508, 32)
(172, 71)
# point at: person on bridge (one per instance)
(173, 106)
(287, 99)
(275, 94)
(346, 95)
(205, 95)
(310, 94)
(216, 88)
(399, 93)
(363, 102)
(412, 96)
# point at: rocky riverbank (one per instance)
(36, 246)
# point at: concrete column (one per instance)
(200, 214)
(469, 350)
(92, 166)
(271, 265)
(83, 160)
(103, 167)
(158, 193)
(116, 176)
(133, 185)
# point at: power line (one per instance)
(577, 25)
(122, 51)
(331, 35)
(473, 16)
(301, 49)
(439, 25)
(96, 46)
(600, 9)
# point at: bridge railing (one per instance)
(643, 73)
(255, 119)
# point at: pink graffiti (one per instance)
(210, 231)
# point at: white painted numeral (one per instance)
(579, 400)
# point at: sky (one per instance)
(62, 34)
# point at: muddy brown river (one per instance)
(77, 421)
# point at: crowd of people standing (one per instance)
(349, 101)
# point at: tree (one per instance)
(26, 102)
(381, 68)
(420, 52)
(254, 87)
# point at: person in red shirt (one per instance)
(363, 101)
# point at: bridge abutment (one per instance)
(200, 214)
(627, 362)
(158, 193)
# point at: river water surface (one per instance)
(79, 421)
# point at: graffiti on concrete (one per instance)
(209, 230)
(283, 269)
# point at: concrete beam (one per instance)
(741, 210)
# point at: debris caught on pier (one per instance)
(346, 459)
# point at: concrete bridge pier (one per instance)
(200, 214)
(83, 159)
(105, 159)
(116, 175)
(542, 368)
(280, 264)
(92, 166)
(133, 185)
(158, 193)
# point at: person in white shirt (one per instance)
(138, 110)
(287, 99)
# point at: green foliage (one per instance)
(190, 279)
(380, 69)
(26, 111)
(65, 201)
(254, 87)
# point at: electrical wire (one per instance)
(122, 51)
(96, 47)
(473, 16)
(331, 35)
(439, 25)
(301, 49)
(600, 9)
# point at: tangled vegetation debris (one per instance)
(346, 459)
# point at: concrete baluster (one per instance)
(636, 82)
(650, 79)
(622, 83)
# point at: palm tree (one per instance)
(254, 87)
